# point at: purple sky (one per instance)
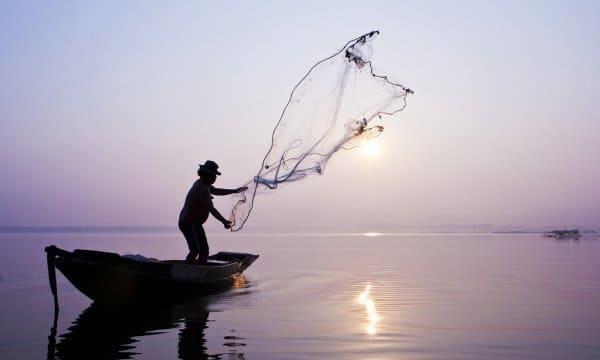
(106, 110)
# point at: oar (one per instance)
(50, 254)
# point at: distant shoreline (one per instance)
(93, 229)
(87, 229)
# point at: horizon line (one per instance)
(372, 230)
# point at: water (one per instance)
(326, 296)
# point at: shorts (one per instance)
(195, 237)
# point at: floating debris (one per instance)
(563, 234)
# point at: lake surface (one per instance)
(322, 296)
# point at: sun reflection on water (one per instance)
(239, 281)
(372, 234)
(365, 299)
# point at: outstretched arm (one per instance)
(221, 192)
(220, 217)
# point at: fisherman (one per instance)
(198, 204)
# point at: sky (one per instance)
(106, 110)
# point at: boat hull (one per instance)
(110, 278)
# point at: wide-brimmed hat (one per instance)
(209, 167)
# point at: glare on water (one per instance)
(365, 299)
(372, 234)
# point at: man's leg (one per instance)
(202, 244)
(191, 256)
(190, 237)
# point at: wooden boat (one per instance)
(110, 277)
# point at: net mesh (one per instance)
(333, 107)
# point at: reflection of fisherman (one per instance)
(198, 204)
(192, 343)
(111, 332)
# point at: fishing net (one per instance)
(333, 107)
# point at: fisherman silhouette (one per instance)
(198, 205)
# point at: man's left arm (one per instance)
(222, 192)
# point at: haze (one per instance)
(107, 109)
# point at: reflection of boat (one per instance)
(109, 277)
(111, 332)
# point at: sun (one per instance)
(370, 148)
